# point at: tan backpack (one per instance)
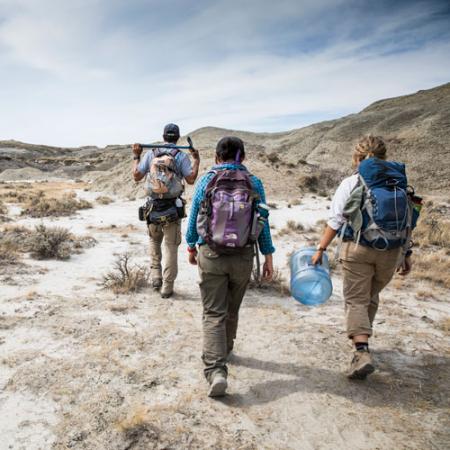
(164, 180)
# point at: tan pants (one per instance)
(366, 272)
(171, 233)
(223, 282)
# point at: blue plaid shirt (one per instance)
(192, 237)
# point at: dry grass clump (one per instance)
(444, 325)
(433, 228)
(39, 205)
(104, 200)
(3, 212)
(125, 277)
(138, 430)
(278, 284)
(434, 267)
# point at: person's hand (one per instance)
(268, 268)
(405, 268)
(317, 257)
(195, 154)
(192, 256)
(137, 149)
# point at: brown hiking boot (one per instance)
(156, 284)
(167, 290)
(218, 385)
(361, 365)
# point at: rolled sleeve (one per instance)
(192, 237)
(340, 198)
(144, 166)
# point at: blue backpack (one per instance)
(380, 212)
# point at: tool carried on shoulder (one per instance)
(170, 146)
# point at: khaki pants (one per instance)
(171, 233)
(223, 282)
(366, 272)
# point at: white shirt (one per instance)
(339, 201)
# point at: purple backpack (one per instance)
(227, 213)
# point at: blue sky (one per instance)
(100, 72)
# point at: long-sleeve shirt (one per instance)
(192, 237)
(342, 194)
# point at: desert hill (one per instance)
(416, 128)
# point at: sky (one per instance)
(98, 72)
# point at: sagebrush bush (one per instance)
(38, 205)
(104, 200)
(44, 242)
(125, 277)
(50, 242)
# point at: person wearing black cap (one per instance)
(169, 231)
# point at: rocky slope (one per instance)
(416, 128)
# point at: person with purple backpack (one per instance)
(228, 220)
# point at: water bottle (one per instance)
(310, 284)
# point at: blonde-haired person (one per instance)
(366, 270)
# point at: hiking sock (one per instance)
(362, 346)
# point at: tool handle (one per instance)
(179, 147)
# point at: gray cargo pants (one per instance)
(223, 282)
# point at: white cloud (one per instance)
(92, 71)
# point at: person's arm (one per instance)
(192, 234)
(328, 235)
(192, 176)
(137, 152)
(336, 219)
(265, 238)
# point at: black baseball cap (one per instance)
(172, 130)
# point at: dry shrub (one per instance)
(38, 205)
(50, 243)
(308, 182)
(3, 208)
(273, 157)
(126, 277)
(291, 227)
(434, 267)
(44, 242)
(321, 181)
(278, 284)
(104, 200)
(272, 205)
(8, 253)
(433, 228)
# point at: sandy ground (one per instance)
(83, 368)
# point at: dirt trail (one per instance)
(82, 368)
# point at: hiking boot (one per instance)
(156, 284)
(361, 365)
(167, 290)
(218, 385)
